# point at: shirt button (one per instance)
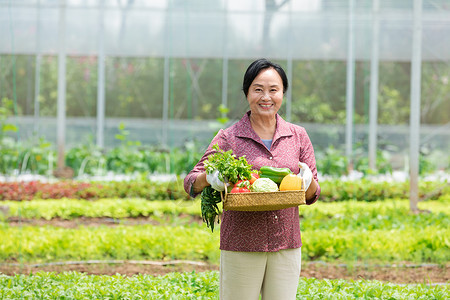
(271, 158)
(276, 217)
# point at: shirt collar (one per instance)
(247, 131)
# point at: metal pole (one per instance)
(61, 109)
(37, 91)
(225, 82)
(165, 116)
(289, 69)
(289, 91)
(350, 85)
(225, 63)
(101, 79)
(37, 70)
(414, 121)
(374, 74)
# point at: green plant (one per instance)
(9, 149)
(194, 285)
(332, 162)
(6, 111)
(383, 165)
(126, 158)
(86, 159)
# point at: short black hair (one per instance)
(256, 67)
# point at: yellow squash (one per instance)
(291, 182)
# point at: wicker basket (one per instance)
(256, 201)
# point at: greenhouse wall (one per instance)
(73, 70)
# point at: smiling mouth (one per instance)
(266, 105)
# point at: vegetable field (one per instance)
(192, 286)
(135, 248)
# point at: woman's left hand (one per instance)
(306, 174)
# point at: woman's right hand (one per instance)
(200, 183)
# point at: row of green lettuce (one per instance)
(346, 231)
(331, 190)
(205, 285)
(388, 214)
(148, 242)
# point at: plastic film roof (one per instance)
(300, 29)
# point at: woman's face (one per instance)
(265, 94)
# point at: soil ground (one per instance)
(398, 273)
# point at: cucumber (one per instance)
(275, 174)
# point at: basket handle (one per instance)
(224, 192)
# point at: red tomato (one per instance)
(235, 189)
(238, 189)
(238, 183)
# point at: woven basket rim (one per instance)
(263, 201)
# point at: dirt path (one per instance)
(422, 274)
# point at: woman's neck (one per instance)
(264, 127)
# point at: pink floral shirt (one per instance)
(266, 231)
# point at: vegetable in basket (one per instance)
(231, 170)
(242, 186)
(276, 174)
(264, 185)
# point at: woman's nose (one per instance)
(265, 96)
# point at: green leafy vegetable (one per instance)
(264, 185)
(210, 198)
(231, 168)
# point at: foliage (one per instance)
(310, 109)
(92, 190)
(342, 215)
(35, 189)
(6, 111)
(39, 157)
(86, 159)
(382, 161)
(348, 231)
(408, 243)
(311, 288)
(367, 190)
(230, 167)
(331, 161)
(331, 190)
(193, 285)
(426, 245)
(119, 242)
(69, 209)
(210, 198)
(392, 107)
(8, 149)
(318, 88)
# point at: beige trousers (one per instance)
(246, 275)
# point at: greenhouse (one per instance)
(365, 76)
(110, 187)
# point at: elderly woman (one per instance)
(261, 251)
